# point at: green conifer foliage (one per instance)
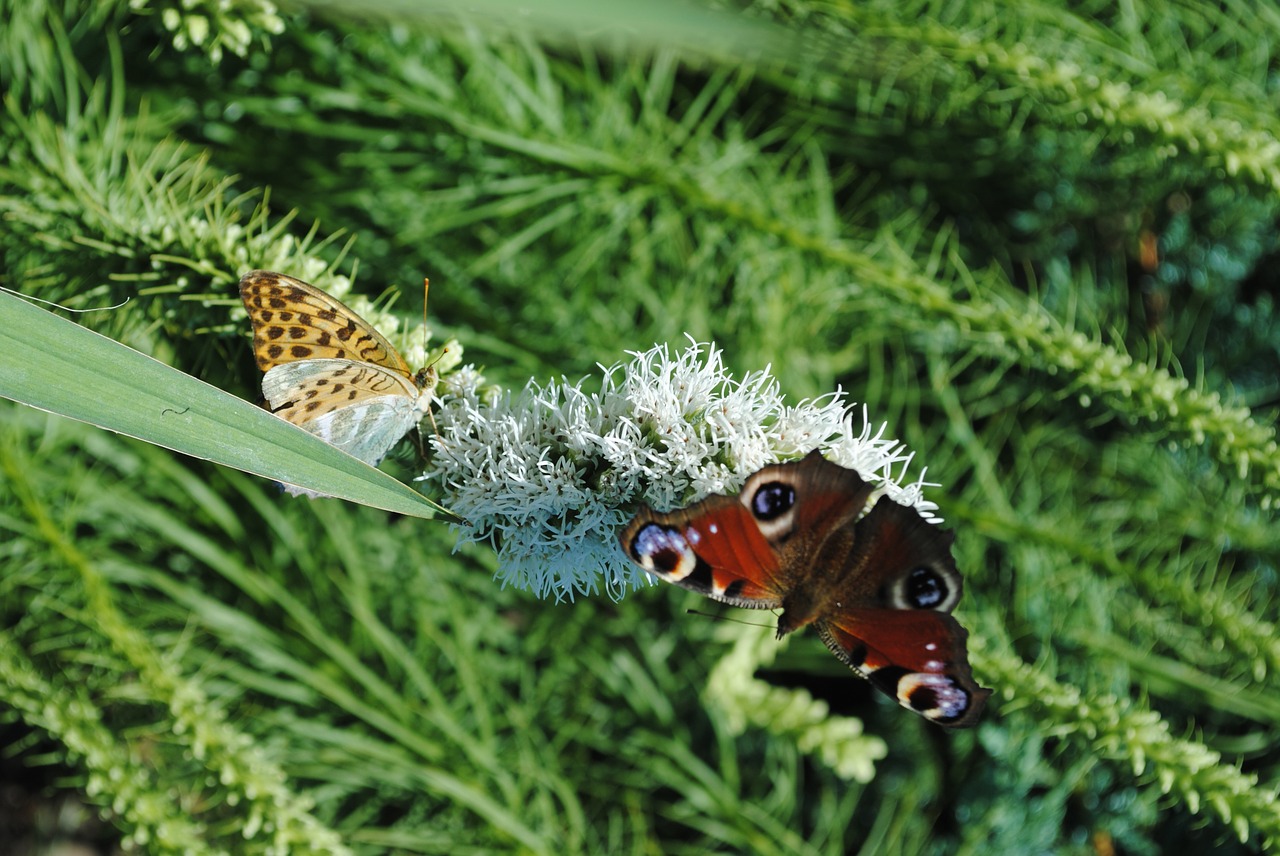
(1036, 239)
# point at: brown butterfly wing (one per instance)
(293, 321)
(889, 620)
(749, 548)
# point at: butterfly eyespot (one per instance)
(773, 500)
(925, 589)
(664, 551)
(935, 696)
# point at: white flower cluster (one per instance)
(550, 475)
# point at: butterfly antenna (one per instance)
(720, 616)
(426, 283)
(426, 287)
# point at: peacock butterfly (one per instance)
(878, 587)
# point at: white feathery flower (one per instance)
(549, 476)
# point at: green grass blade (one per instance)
(53, 364)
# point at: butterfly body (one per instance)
(877, 587)
(328, 371)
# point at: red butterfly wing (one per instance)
(749, 549)
(714, 548)
(889, 618)
(917, 657)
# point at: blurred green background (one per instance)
(1038, 240)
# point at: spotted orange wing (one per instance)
(293, 321)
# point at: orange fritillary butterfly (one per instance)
(328, 370)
